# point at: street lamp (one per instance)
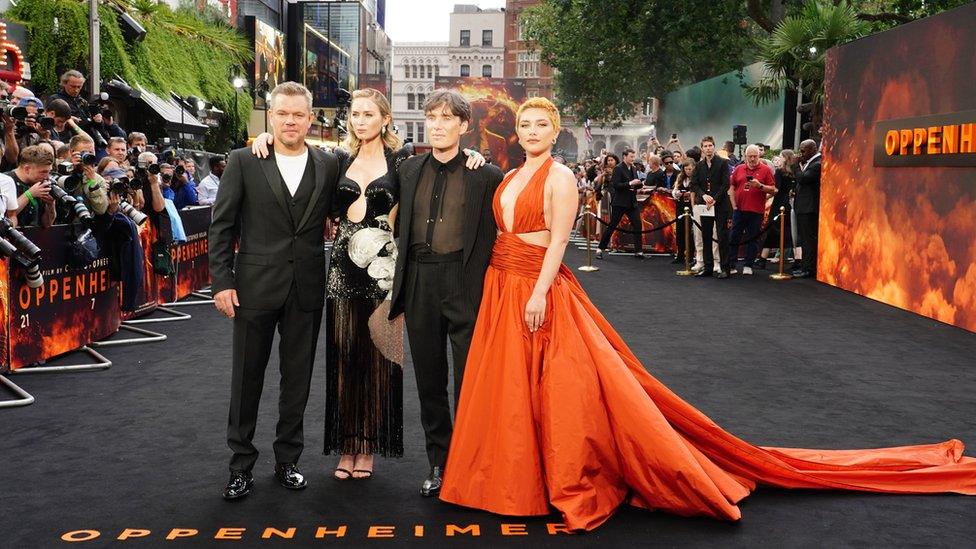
(813, 50)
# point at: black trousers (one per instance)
(616, 214)
(253, 336)
(436, 310)
(720, 223)
(806, 229)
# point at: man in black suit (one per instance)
(275, 208)
(806, 206)
(625, 184)
(710, 185)
(446, 232)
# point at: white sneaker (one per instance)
(735, 271)
(747, 270)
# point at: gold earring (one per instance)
(383, 130)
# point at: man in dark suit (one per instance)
(625, 184)
(275, 208)
(806, 206)
(710, 185)
(446, 232)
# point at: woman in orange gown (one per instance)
(556, 411)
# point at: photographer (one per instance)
(175, 186)
(65, 126)
(118, 151)
(150, 195)
(138, 142)
(35, 205)
(72, 82)
(84, 180)
(11, 149)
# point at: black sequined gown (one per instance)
(364, 350)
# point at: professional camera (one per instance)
(32, 268)
(21, 243)
(132, 213)
(11, 109)
(92, 128)
(123, 185)
(72, 204)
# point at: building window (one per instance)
(411, 102)
(465, 70)
(527, 65)
(486, 38)
(410, 130)
(437, 71)
(430, 71)
(420, 132)
(465, 38)
(521, 29)
(486, 71)
(420, 101)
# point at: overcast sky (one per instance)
(425, 20)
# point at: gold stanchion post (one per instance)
(782, 247)
(588, 268)
(687, 270)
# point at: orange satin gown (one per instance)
(567, 417)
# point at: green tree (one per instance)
(610, 56)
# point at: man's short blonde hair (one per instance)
(291, 89)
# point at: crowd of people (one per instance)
(733, 202)
(67, 161)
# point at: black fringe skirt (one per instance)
(364, 395)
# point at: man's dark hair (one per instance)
(60, 108)
(214, 160)
(695, 153)
(452, 99)
(629, 150)
(708, 139)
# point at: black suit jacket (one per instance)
(624, 196)
(479, 228)
(251, 207)
(807, 200)
(719, 176)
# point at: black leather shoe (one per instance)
(289, 476)
(640, 256)
(722, 274)
(802, 274)
(432, 484)
(797, 273)
(239, 485)
(703, 274)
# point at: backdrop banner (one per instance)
(73, 307)
(190, 258)
(898, 194)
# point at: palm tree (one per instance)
(793, 54)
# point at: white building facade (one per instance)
(416, 66)
(477, 43)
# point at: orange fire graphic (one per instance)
(903, 236)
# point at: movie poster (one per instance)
(269, 55)
(901, 235)
(73, 307)
(493, 105)
(190, 258)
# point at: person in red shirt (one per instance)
(751, 182)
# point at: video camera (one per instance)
(16, 246)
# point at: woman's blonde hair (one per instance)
(390, 139)
(544, 104)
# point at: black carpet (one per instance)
(141, 445)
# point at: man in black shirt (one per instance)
(625, 184)
(446, 233)
(710, 185)
(71, 84)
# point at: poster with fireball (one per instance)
(71, 308)
(657, 210)
(147, 299)
(903, 235)
(190, 258)
(493, 105)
